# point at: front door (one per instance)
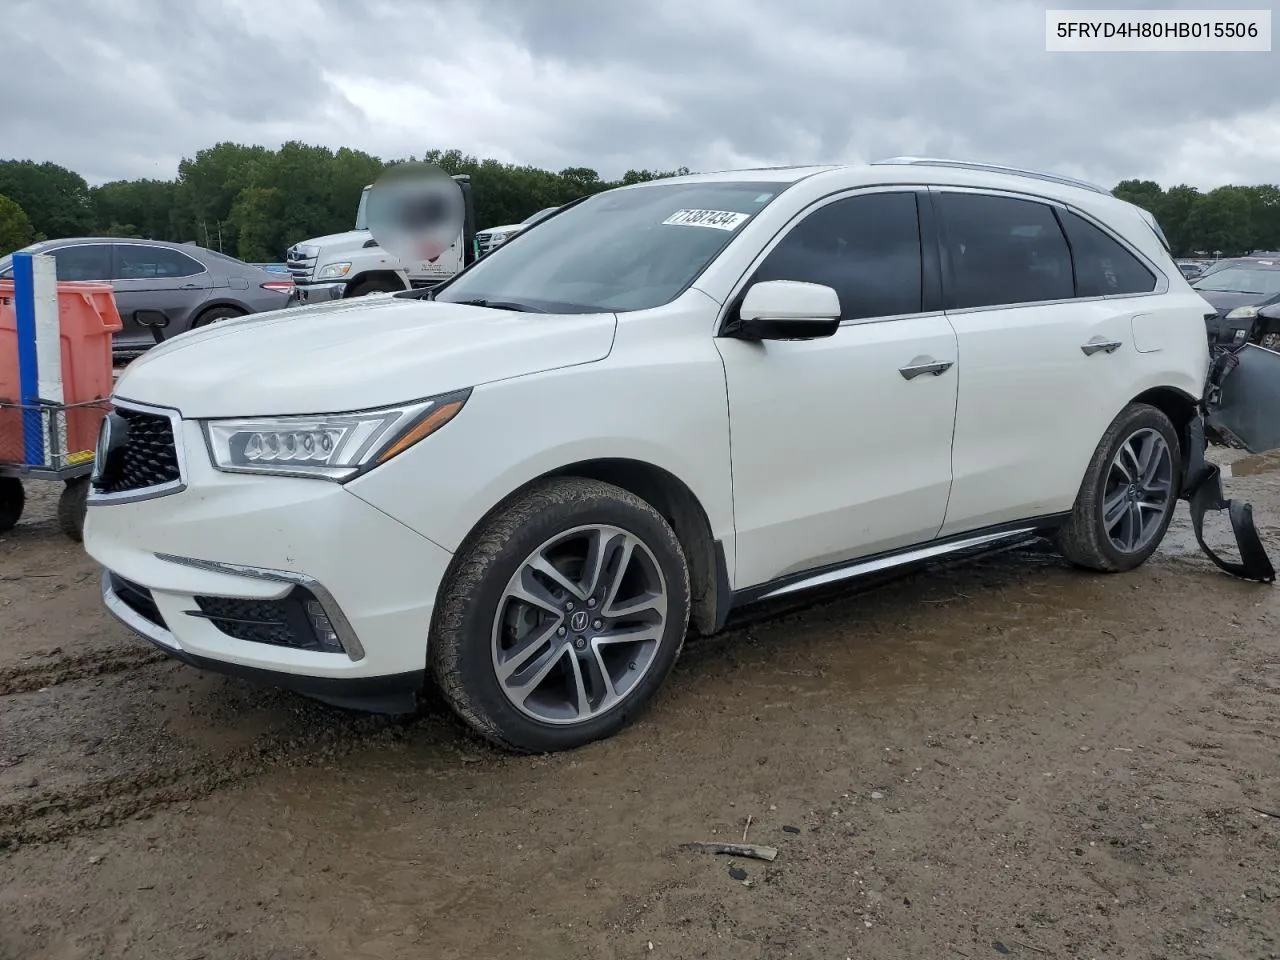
(841, 447)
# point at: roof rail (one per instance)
(993, 168)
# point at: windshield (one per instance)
(535, 217)
(626, 249)
(1241, 280)
(362, 211)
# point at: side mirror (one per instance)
(1271, 312)
(787, 310)
(154, 319)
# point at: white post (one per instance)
(44, 283)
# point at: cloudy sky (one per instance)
(125, 88)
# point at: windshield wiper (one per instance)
(501, 305)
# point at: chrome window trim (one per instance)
(152, 246)
(341, 625)
(1162, 280)
(96, 498)
(785, 231)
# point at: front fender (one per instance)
(517, 430)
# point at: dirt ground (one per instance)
(1005, 758)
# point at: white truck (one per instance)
(352, 264)
(494, 237)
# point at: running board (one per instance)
(861, 568)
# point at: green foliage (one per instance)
(254, 202)
(56, 200)
(15, 229)
(1229, 220)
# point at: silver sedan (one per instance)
(190, 285)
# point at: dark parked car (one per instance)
(1237, 290)
(1190, 270)
(190, 285)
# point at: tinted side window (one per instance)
(867, 248)
(1003, 251)
(92, 261)
(135, 262)
(1103, 266)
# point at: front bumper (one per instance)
(261, 541)
(318, 292)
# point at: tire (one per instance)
(214, 314)
(1141, 510)
(476, 617)
(363, 288)
(71, 508)
(12, 500)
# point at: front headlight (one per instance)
(328, 446)
(333, 271)
(1243, 313)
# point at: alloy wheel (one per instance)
(1138, 493)
(579, 624)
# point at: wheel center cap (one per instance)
(578, 621)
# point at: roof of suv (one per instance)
(926, 170)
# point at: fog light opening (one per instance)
(322, 627)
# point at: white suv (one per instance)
(669, 400)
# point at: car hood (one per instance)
(505, 228)
(1224, 302)
(335, 242)
(355, 354)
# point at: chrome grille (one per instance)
(301, 268)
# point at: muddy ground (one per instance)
(1007, 758)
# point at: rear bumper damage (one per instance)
(1241, 407)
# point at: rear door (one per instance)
(1049, 349)
(150, 277)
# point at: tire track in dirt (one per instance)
(25, 677)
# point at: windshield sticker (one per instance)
(716, 219)
(764, 198)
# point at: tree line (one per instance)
(254, 202)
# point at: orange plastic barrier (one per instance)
(87, 317)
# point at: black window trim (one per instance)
(1162, 279)
(115, 261)
(930, 273)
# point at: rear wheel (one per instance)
(12, 500)
(1128, 495)
(561, 619)
(214, 314)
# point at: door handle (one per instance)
(1100, 345)
(921, 365)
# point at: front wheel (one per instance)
(562, 617)
(362, 288)
(1128, 495)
